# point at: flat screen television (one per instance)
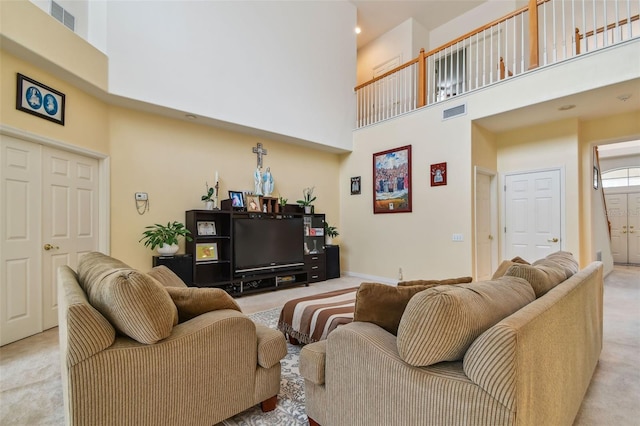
(267, 244)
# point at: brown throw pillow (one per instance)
(166, 277)
(448, 281)
(383, 305)
(194, 301)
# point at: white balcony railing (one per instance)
(543, 33)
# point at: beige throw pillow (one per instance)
(134, 303)
(166, 277)
(542, 276)
(194, 301)
(439, 324)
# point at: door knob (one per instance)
(491, 237)
(552, 240)
(50, 247)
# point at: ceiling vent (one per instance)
(63, 16)
(455, 111)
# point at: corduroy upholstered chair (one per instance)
(127, 360)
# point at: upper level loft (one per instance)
(540, 34)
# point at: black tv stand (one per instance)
(212, 251)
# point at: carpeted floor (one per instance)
(31, 393)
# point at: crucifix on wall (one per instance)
(259, 151)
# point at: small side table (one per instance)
(180, 264)
(333, 261)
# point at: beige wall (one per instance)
(171, 160)
(25, 25)
(86, 118)
(377, 245)
(549, 146)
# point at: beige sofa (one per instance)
(143, 354)
(531, 367)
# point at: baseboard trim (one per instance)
(371, 278)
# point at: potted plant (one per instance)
(307, 199)
(165, 238)
(330, 232)
(208, 197)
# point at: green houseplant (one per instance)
(307, 199)
(208, 197)
(165, 237)
(330, 232)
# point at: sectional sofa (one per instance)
(515, 350)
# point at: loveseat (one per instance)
(519, 349)
(143, 349)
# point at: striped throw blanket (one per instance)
(310, 319)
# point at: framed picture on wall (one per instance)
(438, 174)
(355, 185)
(39, 100)
(392, 180)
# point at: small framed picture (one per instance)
(355, 185)
(438, 174)
(39, 100)
(253, 203)
(206, 252)
(206, 228)
(237, 199)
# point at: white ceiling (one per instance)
(376, 17)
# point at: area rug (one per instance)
(290, 408)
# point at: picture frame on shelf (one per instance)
(392, 187)
(253, 203)
(438, 174)
(355, 185)
(206, 228)
(237, 199)
(206, 252)
(37, 99)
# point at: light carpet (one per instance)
(290, 408)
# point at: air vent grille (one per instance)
(63, 16)
(455, 111)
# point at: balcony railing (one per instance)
(543, 33)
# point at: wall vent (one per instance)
(454, 112)
(63, 16)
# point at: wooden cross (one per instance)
(259, 151)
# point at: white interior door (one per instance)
(69, 218)
(617, 216)
(20, 253)
(533, 216)
(49, 203)
(633, 214)
(623, 213)
(485, 241)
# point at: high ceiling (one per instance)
(376, 17)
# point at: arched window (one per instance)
(628, 176)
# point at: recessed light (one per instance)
(566, 107)
(358, 30)
(624, 97)
(190, 116)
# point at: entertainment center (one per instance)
(247, 252)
